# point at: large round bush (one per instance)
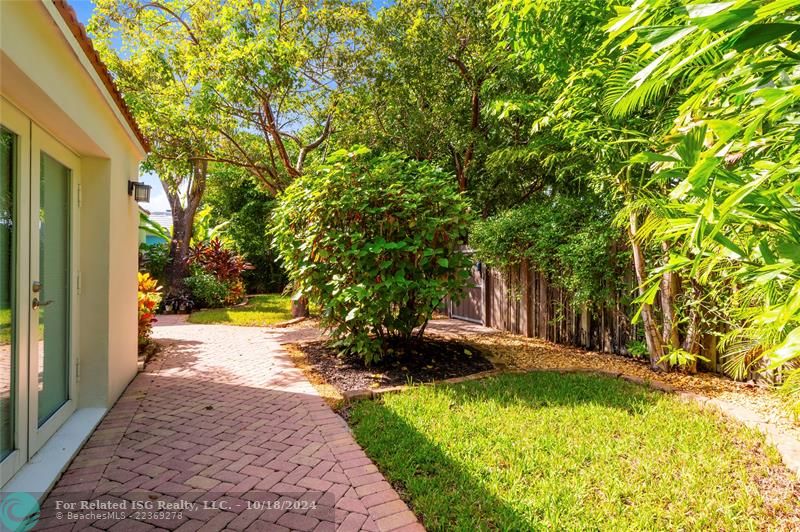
(374, 241)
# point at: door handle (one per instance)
(36, 304)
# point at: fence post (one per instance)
(487, 296)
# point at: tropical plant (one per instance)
(732, 217)
(571, 136)
(205, 230)
(214, 258)
(149, 299)
(207, 290)
(151, 227)
(153, 259)
(374, 240)
(215, 274)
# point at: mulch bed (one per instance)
(426, 361)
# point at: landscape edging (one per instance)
(287, 323)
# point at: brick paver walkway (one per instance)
(223, 425)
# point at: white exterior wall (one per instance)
(46, 76)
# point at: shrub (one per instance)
(207, 291)
(153, 259)
(236, 292)
(637, 349)
(570, 239)
(224, 266)
(149, 298)
(374, 242)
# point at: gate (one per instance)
(470, 308)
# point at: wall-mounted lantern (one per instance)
(139, 191)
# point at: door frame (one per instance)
(14, 120)
(41, 141)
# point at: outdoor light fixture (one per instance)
(139, 191)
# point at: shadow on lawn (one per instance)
(442, 491)
(542, 389)
(434, 486)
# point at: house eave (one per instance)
(74, 33)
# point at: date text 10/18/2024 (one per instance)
(180, 505)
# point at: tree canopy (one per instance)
(656, 138)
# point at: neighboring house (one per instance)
(162, 218)
(68, 242)
(143, 234)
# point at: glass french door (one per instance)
(38, 184)
(50, 299)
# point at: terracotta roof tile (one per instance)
(79, 32)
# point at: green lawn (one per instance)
(259, 311)
(570, 452)
(5, 326)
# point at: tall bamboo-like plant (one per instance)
(731, 159)
(573, 132)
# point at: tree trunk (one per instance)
(691, 343)
(176, 269)
(474, 124)
(182, 226)
(462, 161)
(669, 291)
(653, 339)
(300, 308)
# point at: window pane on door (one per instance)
(54, 275)
(8, 142)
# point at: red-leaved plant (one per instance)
(225, 265)
(215, 259)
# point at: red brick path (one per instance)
(224, 414)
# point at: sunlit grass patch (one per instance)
(571, 452)
(259, 311)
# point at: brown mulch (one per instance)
(426, 361)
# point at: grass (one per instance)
(259, 311)
(5, 326)
(571, 452)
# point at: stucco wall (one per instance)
(44, 77)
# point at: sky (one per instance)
(158, 199)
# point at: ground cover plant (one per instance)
(259, 311)
(571, 452)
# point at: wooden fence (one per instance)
(522, 301)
